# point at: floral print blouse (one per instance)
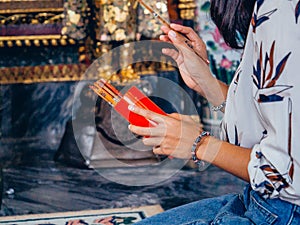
(263, 102)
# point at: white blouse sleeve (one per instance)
(274, 167)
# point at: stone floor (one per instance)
(34, 183)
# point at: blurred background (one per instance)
(45, 49)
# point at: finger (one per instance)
(149, 115)
(157, 150)
(143, 131)
(171, 32)
(191, 39)
(180, 42)
(164, 38)
(165, 29)
(176, 37)
(176, 116)
(188, 31)
(156, 147)
(152, 141)
(171, 52)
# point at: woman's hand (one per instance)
(193, 69)
(173, 135)
(185, 33)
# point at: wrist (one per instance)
(195, 149)
(209, 149)
(220, 107)
(201, 150)
(214, 90)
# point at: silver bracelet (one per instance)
(219, 107)
(197, 161)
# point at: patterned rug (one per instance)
(117, 216)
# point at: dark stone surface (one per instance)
(33, 114)
(34, 183)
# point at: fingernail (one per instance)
(131, 107)
(172, 34)
(129, 126)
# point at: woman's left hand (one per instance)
(171, 135)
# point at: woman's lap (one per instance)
(201, 212)
(230, 209)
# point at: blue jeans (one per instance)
(231, 209)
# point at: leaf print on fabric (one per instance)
(265, 80)
(226, 133)
(236, 78)
(279, 69)
(268, 188)
(236, 137)
(297, 11)
(291, 169)
(259, 3)
(276, 181)
(257, 19)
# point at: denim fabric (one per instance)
(269, 211)
(232, 209)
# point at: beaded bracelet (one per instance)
(197, 161)
(219, 107)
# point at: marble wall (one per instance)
(33, 115)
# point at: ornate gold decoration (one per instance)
(31, 16)
(115, 20)
(187, 9)
(40, 18)
(35, 40)
(30, 6)
(41, 21)
(72, 72)
(76, 19)
(47, 73)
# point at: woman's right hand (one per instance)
(171, 135)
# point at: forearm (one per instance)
(214, 90)
(216, 94)
(231, 158)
